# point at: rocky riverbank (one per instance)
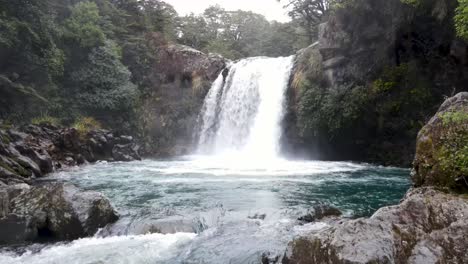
(430, 225)
(31, 211)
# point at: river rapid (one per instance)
(200, 209)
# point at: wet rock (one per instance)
(126, 152)
(270, 258)
(141, 226)
(428, 225)
(319, 212)
(57, 212)
(258, 216)
(16, 229)
(69, 139)
(4, 202)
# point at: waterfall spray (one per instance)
(242, 112)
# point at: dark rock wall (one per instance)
(181, 77)
(378, 72)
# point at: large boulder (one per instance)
(427, 227)
(53, 211)
(179, 80)
(442, 147)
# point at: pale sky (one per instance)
(271, 9)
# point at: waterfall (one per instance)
(242, 112)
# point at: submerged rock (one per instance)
(427, 227)
(319, 212)
(54, 211)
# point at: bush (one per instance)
(86, 124)
(45, 120)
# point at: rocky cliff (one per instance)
(180, 78)
(379, 70)
(430, 225)
(32, 211)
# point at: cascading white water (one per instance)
(242, 112)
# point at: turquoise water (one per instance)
(213, 210)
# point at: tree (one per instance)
(309, 14)
(461, 19)
(102, 85)
(83, 25)
(195, 32)
(233, 34)
(30, 60)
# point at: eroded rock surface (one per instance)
(427, 227)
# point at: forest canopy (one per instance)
(72, 58)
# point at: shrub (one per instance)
(45, 120)
(86, 124)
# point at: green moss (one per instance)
(454, 118)
(7, 167)
(451, 154)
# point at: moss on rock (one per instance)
(442, 147)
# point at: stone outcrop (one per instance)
(430, 225)
(34, 151)
(51, 212)
(180, 78)
(442, 147)
(379, 69)
(427, 227)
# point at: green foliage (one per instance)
(46, 120)
(390, 78)
(454, 118)
(461, 19)
(103, 83)
(83, 25)
(86, 124)
(451, 152)
(327, 112)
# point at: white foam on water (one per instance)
(151, 248)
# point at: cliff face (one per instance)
(379, 70)
(180, 78)
(430, 225)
